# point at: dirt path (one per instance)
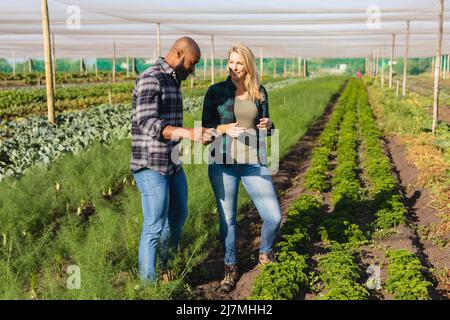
(206, 278)
(416, 199)
(421, 214)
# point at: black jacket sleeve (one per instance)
(210, 116)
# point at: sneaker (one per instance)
(231, 277)
(266, 258)
(167, 275)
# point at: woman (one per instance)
(238, 108)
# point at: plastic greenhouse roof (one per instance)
(283, 28)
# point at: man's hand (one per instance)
(203, 135)
(208, 135)
(231, 129)
(265, 124)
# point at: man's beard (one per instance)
(181, 72)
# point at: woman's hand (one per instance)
(231, 129)
(265, 124)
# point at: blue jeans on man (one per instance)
(164, 204)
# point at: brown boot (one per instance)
(167, 275)
(231, 277)
(266, 258)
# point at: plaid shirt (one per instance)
(157, 103)
(218, 108)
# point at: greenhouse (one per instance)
(344, 194)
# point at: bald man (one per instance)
(156, 129)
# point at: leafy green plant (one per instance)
(341, 275)
(405, 279)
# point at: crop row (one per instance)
(34, 141)
(379, 199)
(316, 177)
(341, 275)
(390, 211)
(405, 279)
(23, 102)
(284, 279)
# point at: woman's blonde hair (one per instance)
(251, 82)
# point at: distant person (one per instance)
(358, 74)
(156, 119)
(237, 106)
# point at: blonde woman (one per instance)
(238, 109)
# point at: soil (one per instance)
(417, 200)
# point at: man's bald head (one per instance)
(183, 56)
(186, 44)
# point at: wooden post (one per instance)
(304, 68)
(285, 68)
(81, 65)
(48, 63)
(14, 63)
(54, 61)
(391, 65)
(405, 60)
(437, 69)
(158, 39)
(212, 59)
(128, 66)
(293, 67)
(114, 64)
(261, 65)
(96, 67)
(444, 67)
(365, 66)
(374, 60)
(133, 66)
(192, 81)
(30, 69)
(299, 66)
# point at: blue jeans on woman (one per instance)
(257, 180)
(164, 204)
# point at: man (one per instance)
(156, 129)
